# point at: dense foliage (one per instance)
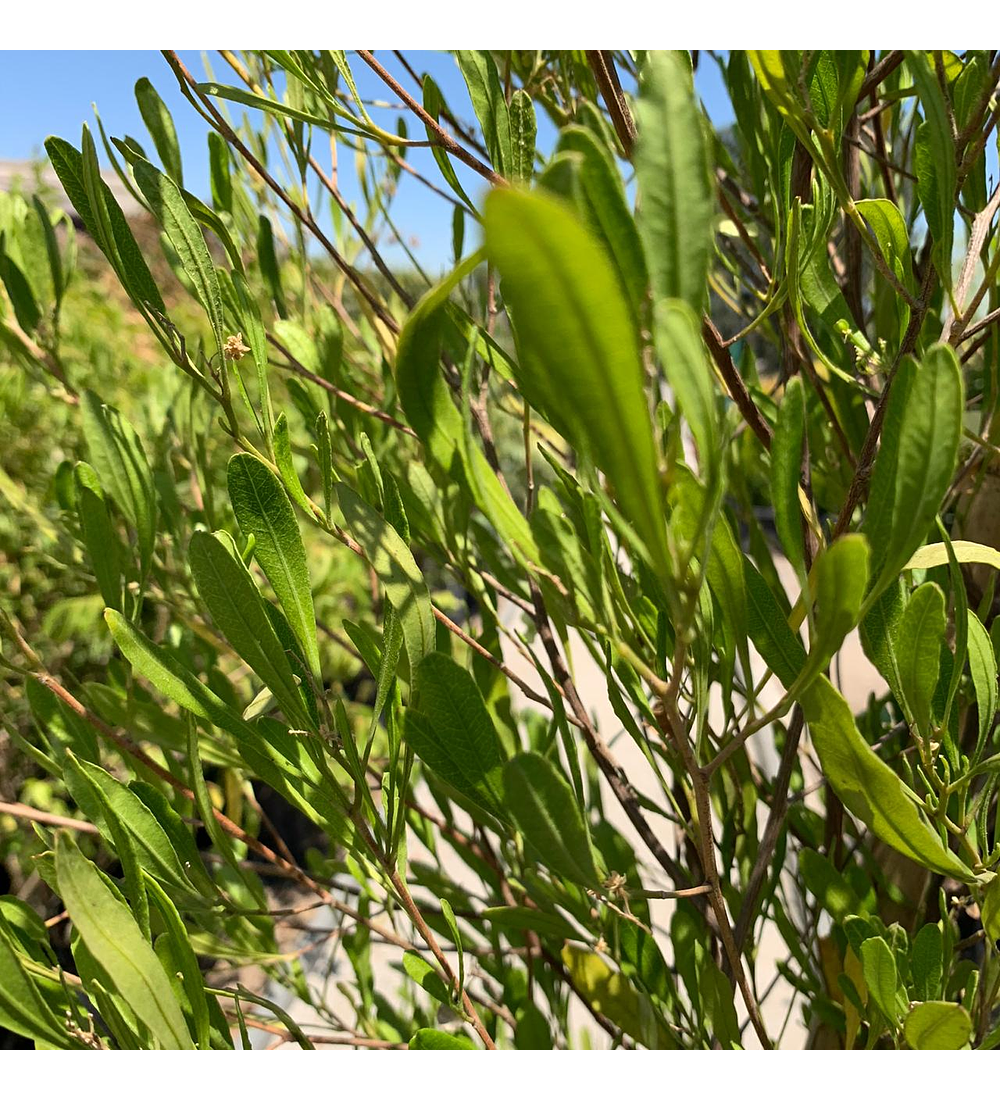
(472, 663)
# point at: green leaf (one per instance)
(579, 354)
(889, 227)
(450, 729)
(918, 644)
(98, 534)
(238, 610)
(483, 82)
(671, 164)
(161, 128)
(428, 1038)
(609, 992)
(544, 808)
(23, 1010)
(429, 980)
(926, 962)
(937, 1025)
(916, 460)
(185, 235)
(519, 918)
(597, 189)
(263, 510)
(117, 243)
(982, 667)
(113, 938)
(685, 363)
(394, 566)
(991, 910)
(522, 136)
(936, 553)
(879, 969)
(26, 309)
(827, 884)
(532, 1031)
(841, 573)
(154, 848)
(868, 787)
(117, 455)
(786, 469)
(934, 161)
(768, 628)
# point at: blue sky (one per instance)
(53, 92)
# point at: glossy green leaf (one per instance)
(926, 962)
(879, 969)
(579, 356)
(868, 787)
(671, 163)
(429, 1038)
(934, 160)
(519, 918)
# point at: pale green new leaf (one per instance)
(937, 1025)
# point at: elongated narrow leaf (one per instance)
(685, 363)
(879, 969)
(869, 788)
(916, 460)
(184, 233)
(160, 125)
(983, 667)
(786, 467)
(154, 848)
(934, 160)
(454, 733)
(238, 611)
(483, 81)
(121, 249)
(936, 553)
(117, 454)
(921, 633)
(768, 628)
(264, 511)
(113, 938)
(545, 810)
(98, 534)
(579, 355)
(523, 128)
(394, 566)
(675, 194)
(841, 578)
(23, 1010)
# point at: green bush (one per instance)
(467, 663)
